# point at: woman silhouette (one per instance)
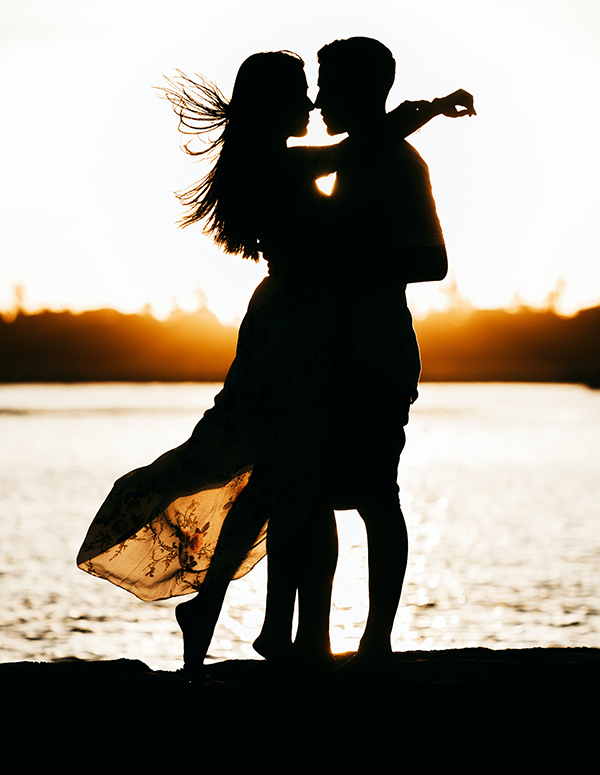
(197, 517)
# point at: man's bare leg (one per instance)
(388, 555)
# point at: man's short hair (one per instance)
(364, 60)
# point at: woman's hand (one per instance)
(455, 105)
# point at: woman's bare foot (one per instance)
(367, 663)
(278, 652)
(292, 656)
(196, 639)
(197, 619)
(319, 660)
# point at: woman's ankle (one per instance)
(375, 646)
(196, 635)
(274, 648)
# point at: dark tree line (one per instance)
(104, 345)
(527, 345)
(473, 345)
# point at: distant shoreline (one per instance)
(459, 345)
(475, 380)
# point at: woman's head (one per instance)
(269, 104)
(270, 95)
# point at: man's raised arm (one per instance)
(408, 117)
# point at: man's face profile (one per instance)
(336, 99)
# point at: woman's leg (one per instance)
(304, 562)
(312, 643)
(308, 564)
(283, 558)
(198, 617)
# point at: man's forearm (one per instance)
(369, 267)
(409, 116)
(423, 264)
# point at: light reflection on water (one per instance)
(500, 489)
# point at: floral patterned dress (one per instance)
(200, 511)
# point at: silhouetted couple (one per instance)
(312, 412)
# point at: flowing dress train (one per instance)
(254, 458)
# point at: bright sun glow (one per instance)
(91, 158)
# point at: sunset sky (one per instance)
(90, 156)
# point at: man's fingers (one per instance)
(464, 99)
(466, 111)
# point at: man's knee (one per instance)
(379, 507)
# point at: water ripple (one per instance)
(499, 485)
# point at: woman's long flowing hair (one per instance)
(225, 199)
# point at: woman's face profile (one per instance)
(295, 105)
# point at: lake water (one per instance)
(500, 485)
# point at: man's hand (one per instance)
(455, 105)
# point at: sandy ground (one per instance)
(455, 711)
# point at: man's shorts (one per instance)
(366, 435)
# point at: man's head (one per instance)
(355, 77)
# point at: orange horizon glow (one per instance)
(454, 302)
(91, 156)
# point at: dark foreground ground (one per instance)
(456, 711)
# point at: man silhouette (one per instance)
(392, 237)
(382, 233)
(385, 234)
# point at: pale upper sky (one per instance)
(89, 156)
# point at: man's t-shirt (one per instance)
(384, 204)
